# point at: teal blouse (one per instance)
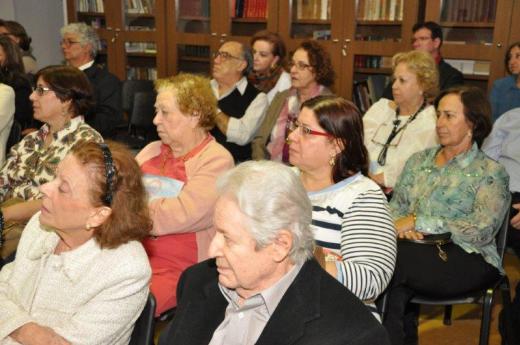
(467, 197)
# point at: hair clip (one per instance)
(110, 172)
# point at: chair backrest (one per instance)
(130, 87)
(144, 326)
(501, 237)
(15, 135)
(143, 109)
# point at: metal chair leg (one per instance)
(447, 315)
(485, 324)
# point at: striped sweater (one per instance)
(352, 219)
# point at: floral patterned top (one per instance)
(467, 197)
(29, 164)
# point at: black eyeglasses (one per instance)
(225, 56)
(68, 42)
(41, 90)
(299, 65)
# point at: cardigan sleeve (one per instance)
(368, 245)
(192, 209)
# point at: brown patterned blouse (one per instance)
(30, 164)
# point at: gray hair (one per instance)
(247, 55)
(272, 197)
(86, 35)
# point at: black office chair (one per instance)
(130, 88)
(484, 297)
(145, 325)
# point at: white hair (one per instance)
(86, 35)
(272, 197)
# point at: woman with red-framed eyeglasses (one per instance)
(353, 229)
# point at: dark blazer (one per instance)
(449, 76)
(108, 112)
(316, 309)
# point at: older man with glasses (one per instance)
(241, 107)
(79, 44)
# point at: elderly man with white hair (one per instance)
(263, 285)
(79, 44)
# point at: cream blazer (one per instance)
(88, 295)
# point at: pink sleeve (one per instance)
(192, 210)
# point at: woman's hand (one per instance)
(405, 228)
(33, 334)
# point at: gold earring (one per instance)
(332, 160)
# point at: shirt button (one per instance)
(241, 315)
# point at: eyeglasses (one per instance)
(225, 56)
(41, 90)
(422, 39)
(293, 125)
(299, 65)
(67, 42)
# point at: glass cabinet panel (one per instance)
(139, 15)
(193, 16)
(248, 17)
(91, 12)
(311, 19)
(379, 20)
(141, 60)
(194, 59)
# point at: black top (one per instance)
(107, 113)
(235, 105)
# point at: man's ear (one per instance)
(437, 43)
(282, 245)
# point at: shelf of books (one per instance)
(311, 19)
(91, 12)
(379, 20)
(193, 16)
(139, 15)
(248, 16)
(141, 60)
(194, 59)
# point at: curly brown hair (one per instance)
(319, 59)
(129, 219)
(194, 96)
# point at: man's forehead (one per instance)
(231, 47)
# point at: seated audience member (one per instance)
(12, 74)
(311, 75)
(16, 32)
(263, 287)
(350, 217)
(61, 96)
(268, 74)
(505, 94)
(241, 106)
(6, 117)
(80, 43)
(452, 188)
(428, 37)
(180, 173)
(81, 275)
(394, 130)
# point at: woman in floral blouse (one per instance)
(451, 188)
(62, 94)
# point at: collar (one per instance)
(240, 86)
(336, 186)
(72, 263)
(463, 160)
(69, 127)
(166, 150)
(87, 65)
(438, 59)
(271, 296)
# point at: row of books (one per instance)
(249, 8)
(194, 51)
(91, 6)
(140, 6)
(380, 10)
(194, 8)
(141, 47)
(368, 91)
(141, 73)
(312, 9)
(372, 37)
(468, 11)
(372, 61)
(475, 67)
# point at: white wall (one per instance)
(42, 19)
